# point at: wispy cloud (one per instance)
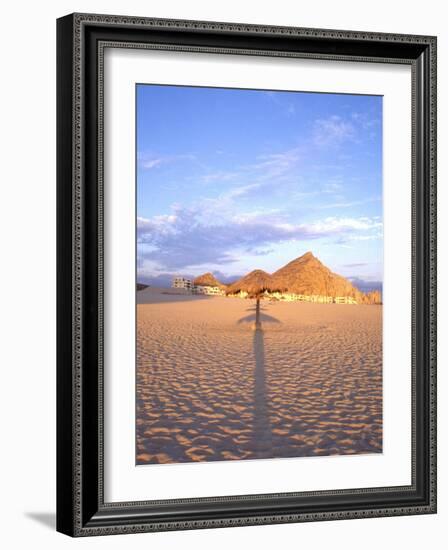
(221, 175)
(264, 167)
(332, 130)
(350, 204)
(373, 237)
(276, 164)
(365, 121)
(281, 100)
(151, 163)
(332, 187)
(336, 225)
(148, 161)
(183, 240)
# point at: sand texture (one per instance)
(210, 387)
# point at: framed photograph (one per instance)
(246, 274)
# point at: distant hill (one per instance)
(208, 279)
(141, 286)
(366, 285)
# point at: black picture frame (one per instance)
(81, 510)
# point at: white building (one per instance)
(208, 290)
(182, 282)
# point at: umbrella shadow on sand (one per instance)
(262, 430)
(262, 317)
(258, 317)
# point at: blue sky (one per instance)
(233, 180)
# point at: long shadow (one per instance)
(262, 432)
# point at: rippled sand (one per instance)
(210, 387)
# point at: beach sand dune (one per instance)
(210, 387)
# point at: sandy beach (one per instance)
(210, 387)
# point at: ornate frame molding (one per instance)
(82, 511)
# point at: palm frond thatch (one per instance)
(307, 275)
(208, 279)
(254, 283)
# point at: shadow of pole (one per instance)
(262, 433)
(257, 315)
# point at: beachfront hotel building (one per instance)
(187, 284)
(208, 290)
(182, 282)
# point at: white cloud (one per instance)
(366, 121)
(280, 99)
(148, 164)
(276, 164)
(148, 161)
(365, 237)
(331, 187)
(336, 225)
(263, 169)
(350, 204)
(220, 176)
(184, 240)
(332, 130)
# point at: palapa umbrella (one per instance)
(255, 283)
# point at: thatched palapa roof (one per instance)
(208, 279)
(307, 275)
(253, 283)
